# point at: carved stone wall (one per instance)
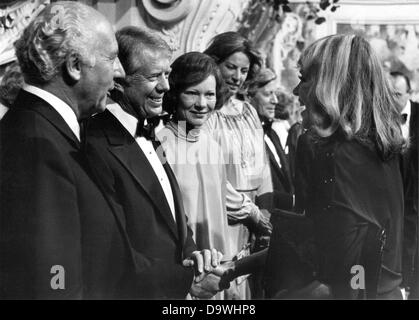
(14, 17)
(187, 25)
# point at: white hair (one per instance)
(61, 29)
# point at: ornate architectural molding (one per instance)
(205, 19)
(211, 18)
(13, 19)
(168, 11)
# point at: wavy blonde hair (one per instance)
(350, 92)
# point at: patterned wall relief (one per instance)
(295, 33)
(188, 25)
(397, 45)
(14, 17)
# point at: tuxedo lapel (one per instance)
(32, 102)
(285, 170)
(180, 211)
(273, 161)
(136, 163)
(413, 124)
(126, 150)
(177, 196)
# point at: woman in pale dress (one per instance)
(237, 129)
(196, 89)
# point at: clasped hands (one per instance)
(210, 274)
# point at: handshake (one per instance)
(211, 276)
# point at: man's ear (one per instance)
(73, 67)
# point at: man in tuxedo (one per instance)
(131, 168)
(409, 166)
(59, 238)
(262, 92)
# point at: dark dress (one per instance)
(355, 200)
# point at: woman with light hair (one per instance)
(348, 177)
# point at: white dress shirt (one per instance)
(405, 127)
(59, 105)
(130, 123)
(3, 110)
(281, 128)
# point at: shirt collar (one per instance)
(63, 109)
(407, 109)
(127, 120)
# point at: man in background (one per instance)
(409, 166)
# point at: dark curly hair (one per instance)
(188, 70)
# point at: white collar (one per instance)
(407, 109)
(127, 120)
(63, 109)
(284, 123)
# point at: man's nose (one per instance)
(164, 83)
(118, 69)
(274, 98)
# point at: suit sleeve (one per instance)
(40, 224)
(303, 162)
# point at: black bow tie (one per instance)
(147, 130)
(404, 118)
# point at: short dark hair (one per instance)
(396, 74)
(133, 43)
(225, 44)
(188, 70)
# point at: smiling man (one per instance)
(142, 186)
(262, 93)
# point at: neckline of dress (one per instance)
(180, 132)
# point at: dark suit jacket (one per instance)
(409, 168)
(410, 162)
(159, 244)
(52, 213)
(281, 176)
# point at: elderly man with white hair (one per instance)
(59, 238)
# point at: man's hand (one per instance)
(263, 227)
(207, 287)
(204, 260)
